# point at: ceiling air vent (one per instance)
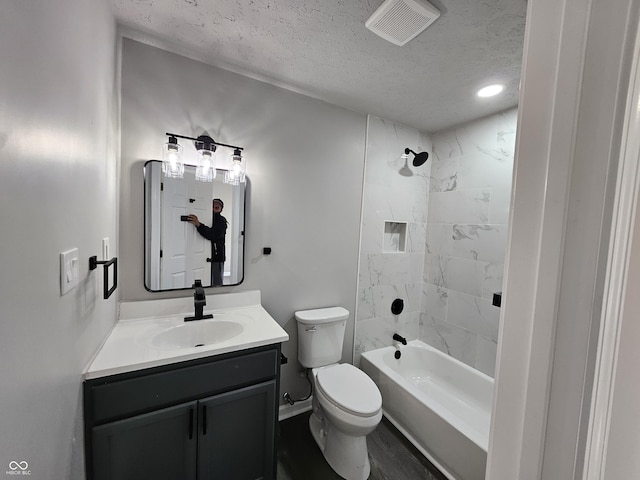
(398, 21)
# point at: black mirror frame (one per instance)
(145, 235)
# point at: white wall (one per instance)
(305, 161)
(57, 191)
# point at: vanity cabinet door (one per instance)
(160, 445)
(237, 434)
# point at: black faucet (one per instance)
(400, 339)
(199, 301)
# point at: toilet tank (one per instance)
(321, 335)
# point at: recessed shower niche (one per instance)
(395, 237)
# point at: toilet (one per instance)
(347, 404)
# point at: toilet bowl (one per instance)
(347, 404)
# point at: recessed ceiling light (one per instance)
(490, 90)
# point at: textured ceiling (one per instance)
(321, 48)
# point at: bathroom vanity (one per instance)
(158, 407)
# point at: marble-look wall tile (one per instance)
(439, 237)
(416, 235)
(466, 237)
(485, 242)
(372, 333)
(382, 297)
(394, 192)
(416, 267)
(403, 202)
(500, 205)
(365, 306)
(474, 314)
(456, 274)
(383, 203)
(406, 324)
(448, 338)
(434, 301)
(435, 268)
(376, 333)
(464, 275)
(385, 162)
(389, 269)
(378, 203)
(494, 135)
(444, 174)
(446, 145)
(382, 281)
(487, 350)
(461, 206)
(372, 236)
(493, 280)
(387, 204)
(483, 171)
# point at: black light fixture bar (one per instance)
(213, 142)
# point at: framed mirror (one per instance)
(176, 250)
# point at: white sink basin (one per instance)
(197, 333)
(153, 333)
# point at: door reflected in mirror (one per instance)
(192, 229)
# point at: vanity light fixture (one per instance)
(173, 165)
(490, 90)
(205, 163)
(236, 174)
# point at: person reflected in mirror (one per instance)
(216, 233)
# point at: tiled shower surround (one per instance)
(394, 191)
(456, 208)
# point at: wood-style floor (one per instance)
(392, 456)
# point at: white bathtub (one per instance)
(440, 404)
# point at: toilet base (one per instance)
(346, 454)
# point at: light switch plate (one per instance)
(69, 270)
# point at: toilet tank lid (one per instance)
(322, 315)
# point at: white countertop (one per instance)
(129, 347)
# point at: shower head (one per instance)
(418, 158)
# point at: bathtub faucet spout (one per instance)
(400, 339)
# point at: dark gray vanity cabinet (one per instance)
(211, 418)
(238, 442)
(151, 445)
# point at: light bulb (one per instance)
(236, 174)
(205, 168)
(172, 164)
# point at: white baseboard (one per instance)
(288, 411)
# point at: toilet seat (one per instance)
(349, 389)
